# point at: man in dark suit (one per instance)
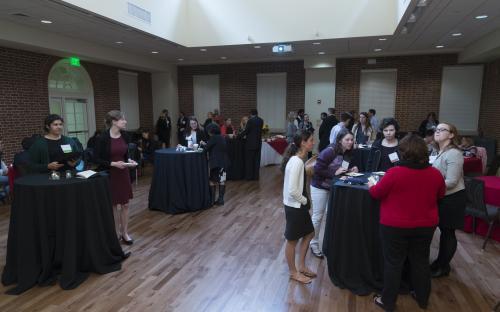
(253, 144)
(326, 128)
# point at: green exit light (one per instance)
(74, 61)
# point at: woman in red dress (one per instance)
(111, 154)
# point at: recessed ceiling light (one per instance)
(321, 53)
(119, 42)
(180, 59)
(223, 57)
(439, 46)
(316, 43)
(155, 52)
(46, 21)
(256, 47)
(203, 50)
(377, 50)
(382, 39)
(456, 34)
(482, 16)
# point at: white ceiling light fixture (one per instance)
(223, 57)
(412, 18)
(404, 30)
(46, 22)
(423, 3)
(321, 53)
(456, 34)
(203, 50)
(316, 43)
(382, 39)
(155, 52)
(377, 50)
(119, 42)
(479, 17)
(439, 46)
(256, 47)
(180, 59)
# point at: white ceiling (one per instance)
(439, 20)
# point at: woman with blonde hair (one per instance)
(111, 154)
(449, 161)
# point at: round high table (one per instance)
(351, 242)
(180, 182)
(60, 229)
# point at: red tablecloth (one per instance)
(279, 145)
(473, 165)
(491, 197)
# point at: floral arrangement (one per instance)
(265, 130)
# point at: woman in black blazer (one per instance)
(194, 132)
(217, 161)
(111, 153)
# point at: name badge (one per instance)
(345, 165)
(66, 148)
(432, 159)
(394, 157)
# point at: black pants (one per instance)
(252, 164)
(398, 244)
(447, 248)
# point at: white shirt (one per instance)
(3, 168)
(374, 122)
(335, 130)
(293, 186)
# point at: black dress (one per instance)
(298, 220)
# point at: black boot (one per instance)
(212, 195)
(220, 200)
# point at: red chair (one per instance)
(12, 174)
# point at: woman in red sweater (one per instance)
(408, 195)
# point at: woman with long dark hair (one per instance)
(298, 221)
(328, 165)
(449, 161)
(111, 154)
(193, 133)
(363, 131)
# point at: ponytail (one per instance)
(294, 147)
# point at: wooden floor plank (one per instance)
(231, 258)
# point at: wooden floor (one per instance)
(231, 258)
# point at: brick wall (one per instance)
(24, 98)
(418, 87)
(490, 102)
(238, 86)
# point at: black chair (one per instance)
(373, 160)
(476, 207)
(493, 167)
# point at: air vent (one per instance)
(19, 14)
(139, 12)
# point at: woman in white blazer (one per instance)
(298, 220)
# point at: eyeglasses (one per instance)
(441, 130)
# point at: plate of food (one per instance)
(379, 173)
(354, 174)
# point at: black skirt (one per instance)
(452, 210)
(298, 223)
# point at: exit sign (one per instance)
(74, 61)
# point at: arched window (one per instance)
(71, 96)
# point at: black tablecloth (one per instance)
(180, 182)
(360, 158)
(352, 243)
(61, 227)
(236, 154)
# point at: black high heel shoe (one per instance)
(440, 272)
